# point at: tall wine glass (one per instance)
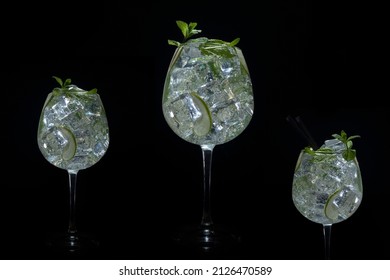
(73, 135)
(327, 185)
(207, 101)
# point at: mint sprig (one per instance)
(319, 154)
(349, 153)
(213, 46)
(67, 87)
(188, 30)
(320, 151)
(63, 84)
(218, 47)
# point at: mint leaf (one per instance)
(188, 30)
(213, 46)
(349, 153)
(65, 89)
(59, 80)
(217, 47)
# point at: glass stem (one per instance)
(207, 153)
(72, 202)
(327, 232)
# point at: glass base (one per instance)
(207, 241)
(78, 243)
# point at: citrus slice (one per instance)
(70, 147)
(331, 210)
(203, 124)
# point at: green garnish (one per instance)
(319, 154)
(320, 151)
(212, 46)
(349, 153)
(218, 47)
(62, 84)
(203, 125)
(70, 148)
(67, 87)
(188, 31)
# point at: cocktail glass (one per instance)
(73, 135)
(327, 185)
(207, 101)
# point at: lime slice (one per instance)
(331, 210)
(203, 124)
(70, 147)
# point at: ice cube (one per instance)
(334, 144)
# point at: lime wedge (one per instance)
(70, 146)
(203, 124)
(331, 210)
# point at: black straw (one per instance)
(300, 127)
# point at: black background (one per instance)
(308, 60)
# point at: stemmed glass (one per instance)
(73, 135)
(327, 184)
(207, 101)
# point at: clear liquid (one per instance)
(85, 118)
(223, 84)
(331, 182)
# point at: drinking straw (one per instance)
(301, 128)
